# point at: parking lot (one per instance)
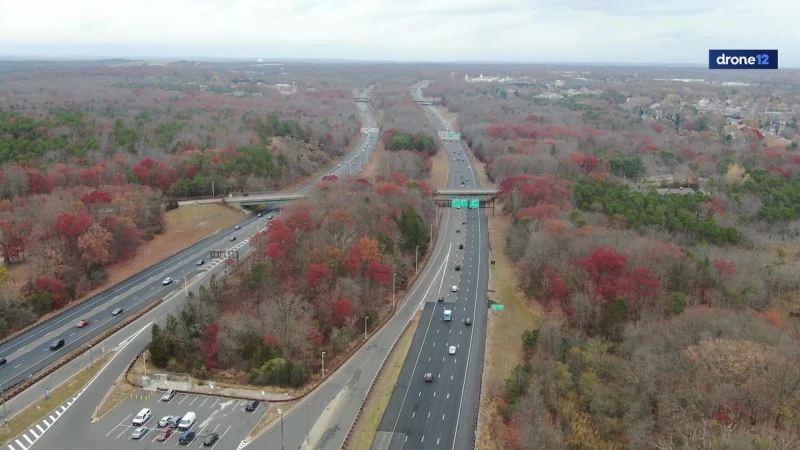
(224, 416)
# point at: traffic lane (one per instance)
(224, 416)
(28, 359)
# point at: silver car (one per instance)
(164, 421)
(139, 432)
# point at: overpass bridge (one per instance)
(442, 196)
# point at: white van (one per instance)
(188, 421)
(142, 417)
(448, 315)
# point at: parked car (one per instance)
(186, 437)
(428, 377)
(210, 439)
(164, 434)
(82, 323)
(57, 344)
(452, 350)
(164, 421)
(174, 422)
(200, 262)
(169, 395)
(117, 311)
(187, 421)
(251, 405)
(167, 281)
(143, 416)
(139, 432)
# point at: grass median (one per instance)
(367, 425)
(28, 417)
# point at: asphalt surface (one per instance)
(26, 353)
(441, 414)
(29, 352)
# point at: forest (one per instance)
(659, 241)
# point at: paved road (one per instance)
(441, 414)
(29, 352)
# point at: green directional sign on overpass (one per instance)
(459, 203)
(453, 135)
(474, 203)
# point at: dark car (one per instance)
(186, 437)
(441, 299)
(57, 344)
(173, 423)
(461, 246)
(117, 311)
(169, 395)
(467, 321)
(3, 361)
(458, 267)
(428, 377)
(458, 230)
(210, 439)
(251, 405)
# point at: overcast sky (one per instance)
(626, 31)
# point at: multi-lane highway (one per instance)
(441, 413)
(29, 352)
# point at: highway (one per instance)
(441, 414)
(29, 352)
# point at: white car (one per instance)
(167, 281)
(452, 350)
(454, 288)
(143, 416)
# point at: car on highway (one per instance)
(186, 437)
(3, 361)
(139, 432)
(144, 415)
(117, 311)
(467, 321)
(269, 217)
(200, 262)
(464, 222)
(164, 434)
(57, 344)
(237, 227)
(174, 422)
(458, 267)
(167, 281)
(452, 350)
(164, 421)
(441, 299)
(454, 288)
(82, 323)
(428, 377)
(210, 439)
(461, 246)
(233, 238)
(458, 230)
(169, 395)
(251, 405)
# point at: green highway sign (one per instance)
(455, 135)
(474, 203)
(498, 307)
(459, 203)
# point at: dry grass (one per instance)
(367, 425)
(375, 160)
(449, 117)
(439, 170)
(119, 392)
(270, 417)
(504, 333)
(29, 416)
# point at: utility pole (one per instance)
(394, 277)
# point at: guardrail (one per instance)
(483, 373)
(372, 385)
(19, 387)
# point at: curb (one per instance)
(25, 384)
(372, 385)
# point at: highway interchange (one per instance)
(321, 421)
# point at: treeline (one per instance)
(318, 273)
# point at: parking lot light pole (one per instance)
(323, 365)
(280, 411)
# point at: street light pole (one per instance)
(394, 277)
(280, 411)
(416, 259)
(323, 365)
(366, 320)
(308, 432)
(185, 287)
(91, 358)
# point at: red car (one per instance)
(82, 323)
(164, 434)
